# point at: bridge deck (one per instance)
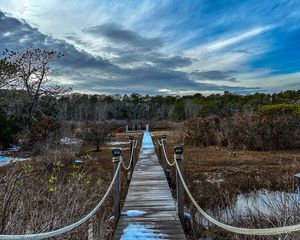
(149, 211)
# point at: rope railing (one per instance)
(133, 147)
(178, 156)
(43, 235)
(135, 143)
(117, 160)
(161, 143)
(245, 231)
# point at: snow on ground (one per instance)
(6, 160)
(70, 141)
(117, 144)
(11, 150)
(122, 148)
(6, 155)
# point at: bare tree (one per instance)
(97, 133)
(7, 73)
(32, 68)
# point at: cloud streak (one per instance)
(220, 44)
(214, 75)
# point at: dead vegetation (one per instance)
(217, 175)
(253, 131)
(51, 191)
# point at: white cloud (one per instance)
(272, 82)
(188, 92)
(218, 57)
(220, 44)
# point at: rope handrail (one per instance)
(165, 154)
(239, 230)
(135, 143)
(131, 158)
(43, 235)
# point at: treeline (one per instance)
(83, 107)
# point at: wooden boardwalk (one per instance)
(149, 211)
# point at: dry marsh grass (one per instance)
(50, 191)
(216, 175)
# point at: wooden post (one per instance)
(90, 229)
(134, 154)
(179, 187)
(297, 177)
(159, 150)
(132, 142)
(117, 186)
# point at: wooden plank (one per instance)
(149, 211)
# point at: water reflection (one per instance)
(263, 203)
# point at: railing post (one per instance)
(131, 140)
(135, 153)
(179, 187)
(90, 229)
(159, 149)
(117, 185)
(297, 177)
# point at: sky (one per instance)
(165, 47)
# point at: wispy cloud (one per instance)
(223, 43)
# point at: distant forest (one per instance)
(83, 107)
(258, 121)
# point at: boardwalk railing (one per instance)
(178, 157)
(114, 185)
(181, 186)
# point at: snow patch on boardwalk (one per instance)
(139, 231)
(133, 213)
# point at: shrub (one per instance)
(280, 109)
(47, 129)
(201, 131)
(97, 133)
(8, 128)
(275, 127)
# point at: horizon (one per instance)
(162, 48)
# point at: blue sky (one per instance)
(162, 47)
